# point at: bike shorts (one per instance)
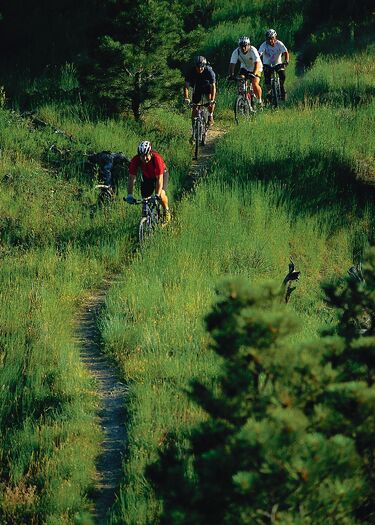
(199, 92)
(245, 73)
(148, 185)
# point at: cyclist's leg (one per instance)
(197, 97)
(257, 89)
(267, 80)
(163, 195)
(164, 198)
(281, 73)
(210, 108)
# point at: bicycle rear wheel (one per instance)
(242, 109)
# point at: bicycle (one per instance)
(200, 125)
(106, 194)
(275, 84)
(244, 106)
(151, 217)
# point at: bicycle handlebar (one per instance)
(204, 104)
(276, 67)
(144, 199)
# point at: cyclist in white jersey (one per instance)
(250, 62)
(274, 52)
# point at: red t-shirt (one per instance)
(150, 170)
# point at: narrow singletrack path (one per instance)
(110, 391)
(200, 166)
(111, 414)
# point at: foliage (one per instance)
(132, 65)
(280, 420)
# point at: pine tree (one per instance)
(281, 442)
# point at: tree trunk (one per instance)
(136, 98)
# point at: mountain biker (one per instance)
(273, 52)
(154, 176)
(250, 64)
(202, 79)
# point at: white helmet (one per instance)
(243, 40)
(270, 33)
(144, 147)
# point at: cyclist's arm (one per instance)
(132, 174)
(286, 56)
(159, 184)
(131, 182)
(212, 94)
(231, 69)
(186, 89)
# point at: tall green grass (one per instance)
(153, 324)
(56, 246)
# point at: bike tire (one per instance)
(144, 230)
(197, 138)
(204, 134)
(275, 95)
(242, 109)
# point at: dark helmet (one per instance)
(200, 61)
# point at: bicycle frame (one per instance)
(245, 89)
(275, 84)
(150, 217)
(200, 124)
(244, 104)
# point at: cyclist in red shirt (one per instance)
(154, 176)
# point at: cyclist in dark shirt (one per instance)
(202, 79)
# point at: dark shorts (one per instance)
(199, 92)
(267, 74)
(148, 185)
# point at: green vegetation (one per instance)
(290, 183)
(278, 443)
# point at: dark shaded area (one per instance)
(344, 27)
(37, 34)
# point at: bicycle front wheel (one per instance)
(242, 109)
(198, 137)
(276, 93)
(145, 230)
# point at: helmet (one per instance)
(144, 147)
(270, 33)
(243, 40)
(200, 61)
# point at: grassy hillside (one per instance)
(287, 184)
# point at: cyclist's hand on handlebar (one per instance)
(286, 63)
(130, 199)
(231, 77)
(187, 101)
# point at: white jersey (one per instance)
(272, 54)
(247, 60)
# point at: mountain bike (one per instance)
(275, 84)
(151, 217)
(244, 106)
(106, 194)
(200, 125)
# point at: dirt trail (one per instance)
(111, 395)
(200, 166)
(111, 392)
